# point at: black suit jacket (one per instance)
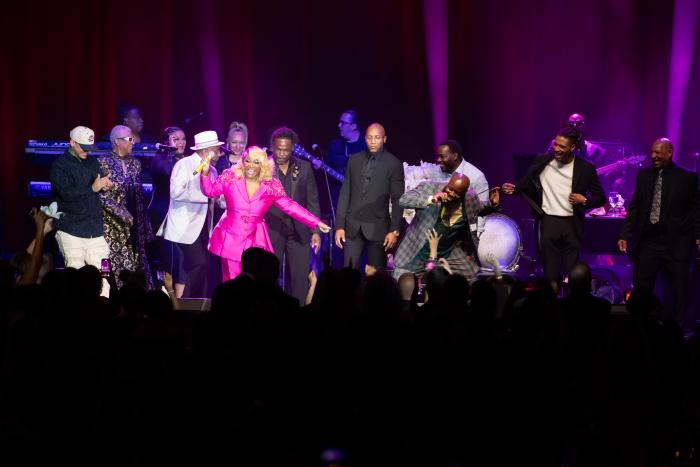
(305, 192)
(585, 181)
(369, 211)
(680, 205)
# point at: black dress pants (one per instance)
(652, 257)
(296, 253)
(354, 247)
(560, 244)
(195, 258)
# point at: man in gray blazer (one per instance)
(372, 179)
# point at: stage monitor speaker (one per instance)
(194, 304)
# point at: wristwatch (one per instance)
(396, 232)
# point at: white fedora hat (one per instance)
(206, 139)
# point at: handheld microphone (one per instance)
(164, 146)
(205, 161)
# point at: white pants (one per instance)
(77, 252)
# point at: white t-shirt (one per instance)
(556, 180)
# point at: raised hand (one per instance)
(495, 196)
(40, 219)
(508, 188)
(443, 262)
(439, 197)
(622, 245)
(312, 277)
(168, 281)
(433, 239)
(315, 242)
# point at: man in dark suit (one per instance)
(560, 188)
(372, 179)
(290, 238)
(663, 224)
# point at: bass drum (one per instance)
(501, 242)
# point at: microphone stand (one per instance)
(330, 202)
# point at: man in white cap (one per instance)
(189, 221)
(76, 179)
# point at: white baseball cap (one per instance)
(84, 136)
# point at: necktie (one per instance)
(367, 172)
(655, 213)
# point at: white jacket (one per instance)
(188, 205)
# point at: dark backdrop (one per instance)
(516, 70)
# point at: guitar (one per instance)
(317, 163)
(608, 169)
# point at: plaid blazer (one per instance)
(425, 218)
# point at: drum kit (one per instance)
(500, 243)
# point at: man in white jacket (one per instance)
(189, 221)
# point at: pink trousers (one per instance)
(230, 268)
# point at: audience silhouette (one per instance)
(497, 372)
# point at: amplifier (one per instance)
(43, 189)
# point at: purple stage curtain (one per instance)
(516, 70)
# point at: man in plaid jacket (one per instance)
(432, 202)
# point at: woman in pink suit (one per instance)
(249, 189)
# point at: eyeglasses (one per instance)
(130, 139)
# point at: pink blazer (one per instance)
(243, 224)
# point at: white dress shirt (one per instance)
(480, 186)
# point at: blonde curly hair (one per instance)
(267, 165)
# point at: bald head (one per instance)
(580, 277)
(661, 153)
(576, 119)
(375, 138)
(665, 143)
(376, 127)
(459, 184)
